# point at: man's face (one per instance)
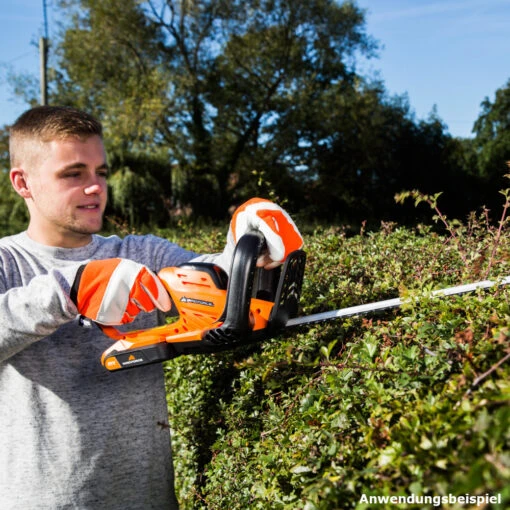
(65, 191)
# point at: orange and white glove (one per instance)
(114, 291)
(281, 234)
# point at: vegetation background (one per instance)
(208, 103)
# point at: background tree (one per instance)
(207, 103)
(491, 145)
(13, 213)
(206, 85)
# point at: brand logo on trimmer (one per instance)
(132, 360)
(194, 301)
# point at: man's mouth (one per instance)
(91, 206)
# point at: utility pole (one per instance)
(43, 53)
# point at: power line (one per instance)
(19, 57)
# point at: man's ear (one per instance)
(19, 182)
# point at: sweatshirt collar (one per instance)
(83, 252)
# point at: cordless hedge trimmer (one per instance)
(218, 313)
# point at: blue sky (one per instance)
(447, 53)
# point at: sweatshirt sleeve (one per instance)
(31, 312)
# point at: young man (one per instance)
(74, 435)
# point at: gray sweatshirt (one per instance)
(72, 434)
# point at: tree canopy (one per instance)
(492, 130)
(207, 103)
(217, 88)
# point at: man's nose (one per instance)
(95, 186)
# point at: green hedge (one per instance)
(412, 401)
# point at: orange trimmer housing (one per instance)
(215, 312)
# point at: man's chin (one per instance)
(86, 230)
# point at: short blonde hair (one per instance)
(46, 123)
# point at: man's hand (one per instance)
(114, 291)
(281, 234)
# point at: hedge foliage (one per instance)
(411, 401)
